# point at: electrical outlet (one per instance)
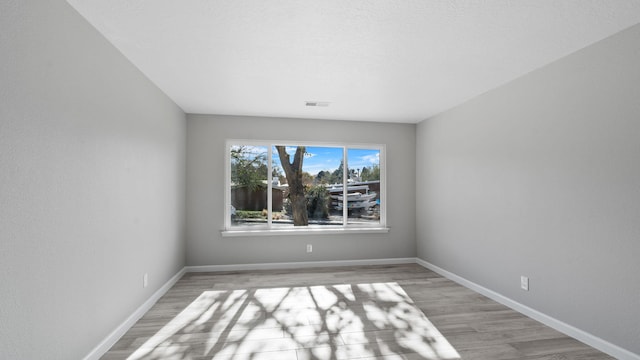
(145, 280)
(309, 248)
(524, 283)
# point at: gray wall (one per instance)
(541, 177)
(206, 135)
(92, 164)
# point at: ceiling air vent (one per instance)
(317, 103)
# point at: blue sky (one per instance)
(328, 158)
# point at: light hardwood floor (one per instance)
(363, 312)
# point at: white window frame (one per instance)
(267, 229)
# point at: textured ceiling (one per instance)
(386, 60)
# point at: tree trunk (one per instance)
(293, 172)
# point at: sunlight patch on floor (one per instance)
(343, 321)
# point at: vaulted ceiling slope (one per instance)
(383, 60)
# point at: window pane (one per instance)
(363, 198)
(249, 185)
(307, 176)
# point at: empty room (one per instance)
(421, 179)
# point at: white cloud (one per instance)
(250, 149)
(372, 159)
(291, 150)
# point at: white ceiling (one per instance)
(375, 60)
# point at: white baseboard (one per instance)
(299, 265)
(116, 334)
(585, 337)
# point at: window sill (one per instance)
(307, 231)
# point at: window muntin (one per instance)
(260, 196)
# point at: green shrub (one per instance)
(249, 214)
(318, 201)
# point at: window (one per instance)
(285, 186)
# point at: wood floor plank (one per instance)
(363, 312)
